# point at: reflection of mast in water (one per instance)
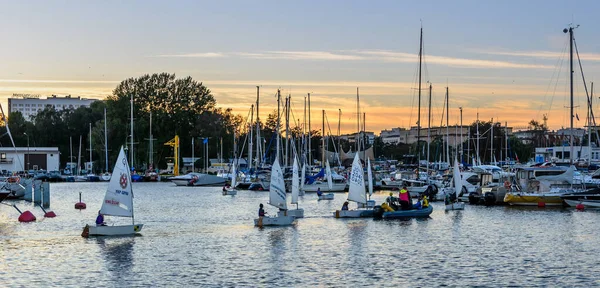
(119, 258)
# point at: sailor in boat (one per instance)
(319, 193)
(418, 205)
(261, 211)
(404, 198)
(345, 206)
(100, 219)
(425, 201)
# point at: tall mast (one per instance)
(492, 143)
(131, 133)
(339, 136)
(105, 142)
(304, 134)
(278, 122)
(506, 139)
(461, 136)
(590, 124)
(71, 157)
(151, 152)
(571, 106)
(477, 152)
(91, 162)
(287, 128)
(258, 156)
(309, 132)
(323, 141)
(428, 132)
(447, 126)
(419, 113)
(250, 139)
(364, 147)
(79, 158)
(357, 120)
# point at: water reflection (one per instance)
(118, 253)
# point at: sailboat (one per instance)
(298, 212)
(456, 205)
(118, 201)
(277, 198)
(302, 179)
(230, 190)
(328, 196)
(356, 193)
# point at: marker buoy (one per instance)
(79, 205)
(27, 217)
(579, 207)
(48, 214)
(541, 204)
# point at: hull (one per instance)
(229, 191)
(455, 206)
(274, 221)
(198, 179)
(532, 199)
(326, 196)
(360, 213)
(106, 176)
(585, 203)
(336, 187)
(423, 213)
(125, 230)
(296, 213)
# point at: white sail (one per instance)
(277, 188)
(303, 176)
(356, 181)
(233, 176)
(295, 182)
(370, 176)
(328, 173)
(457, 178)
(118, 200)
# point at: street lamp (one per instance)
(27, 151)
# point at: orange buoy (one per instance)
(26, 217)
(541, 204)
(579, 207)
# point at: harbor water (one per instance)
(198, 237)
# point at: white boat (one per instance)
(118, 201)
(456, 205)
(333, 183)
(277, 198)
(197, 179)
(230, 190)
(356, 193)
(328, 196)
(298, 212)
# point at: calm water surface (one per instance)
(198, 237)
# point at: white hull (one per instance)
(326, 196)
(297, 213)
(115, 230)
(105, 177)
(336, 187)
(274, 221)
(585, 203)
(455, 206)
(197, 179)
(360, 213)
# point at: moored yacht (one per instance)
(197, 179)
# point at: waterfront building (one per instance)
(30, 104)
(29, 158)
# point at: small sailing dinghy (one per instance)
(328, 196)
(298, 212)
(230, 190)
(277, 198)
(118, 201)
(455, 205)
(356, 193)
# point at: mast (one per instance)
(151, 150)
(250, 141)
(428, 133)
(590, 124)
(193, 158)
(105, 142)
(461, 136)
(71, 155)
(257, 127)
(323, 141)
(278, 121)
(309, 132)
(492, 143)
(477, 148)
(364, 147)
(447, 126)
(91, 162)
(304, 135)
(419, 113)
(357, 120)
(339, 136)
(131, 132)
(79, 158)
(571, 106)
(506, 139)
(287, 128)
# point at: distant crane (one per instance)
(175, 144)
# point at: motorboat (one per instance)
(381, 213)
(537, 185)
(589, 198)
(197, 179)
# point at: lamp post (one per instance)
(27, 160)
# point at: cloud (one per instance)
(385, 56)
(537, 54)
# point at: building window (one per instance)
(20, 105)
(40, 105)
(2, 156)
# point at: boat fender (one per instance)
(541, 204)
(579, 207)
(27, 216)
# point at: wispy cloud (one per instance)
(385, 56)
(195, 55)
(536, 54)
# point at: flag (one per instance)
(205, 141)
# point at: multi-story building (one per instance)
(30, 104)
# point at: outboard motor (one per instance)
(489, 198)
(431, 192)
(377, 212)
(474, 198)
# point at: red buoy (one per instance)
(541, 204)
(579, 207)
(26, 217)
(79, 205)
(50, 214)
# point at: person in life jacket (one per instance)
(404, 198)
(425, 202)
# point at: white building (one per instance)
(30, 104)
(29, 158)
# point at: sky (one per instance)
(501, 60)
